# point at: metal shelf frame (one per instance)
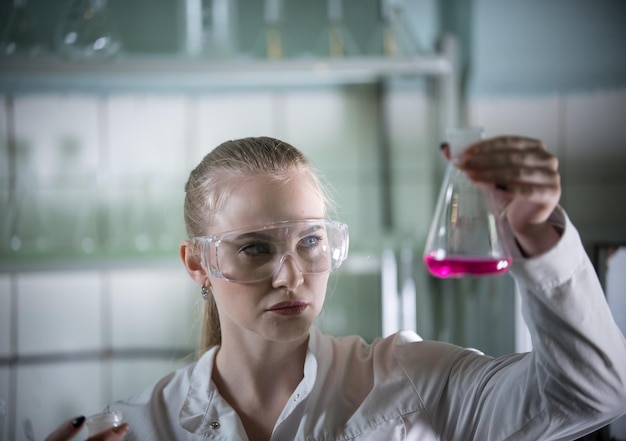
(180, 73)
(193, 73)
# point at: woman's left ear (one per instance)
(192, 263)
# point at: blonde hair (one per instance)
(206, 192)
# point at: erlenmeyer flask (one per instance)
(86, 31)
(465, 236)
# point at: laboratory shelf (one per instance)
(159, 73)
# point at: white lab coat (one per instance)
(402, 388)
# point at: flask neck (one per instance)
(460, 138)
(454, 175)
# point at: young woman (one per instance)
(261, 248)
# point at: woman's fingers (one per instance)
(521, 178)
(517, 180)
(514, 164)
(70, 429)
(112, 434)
(67, 430)
(504, 142)
(519, 174)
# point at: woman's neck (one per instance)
(261, 376)
(261, 365)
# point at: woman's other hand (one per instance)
(523, 176)
(69, 429)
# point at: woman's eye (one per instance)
(311, 241)
(254, 249)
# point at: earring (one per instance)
(205, 292)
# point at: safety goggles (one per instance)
(250, 255)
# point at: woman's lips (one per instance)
(288, 308)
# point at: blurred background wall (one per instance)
(94, 303)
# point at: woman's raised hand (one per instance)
(523, 176)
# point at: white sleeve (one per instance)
(579, 353)
(574, 380)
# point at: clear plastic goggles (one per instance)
(249, 255)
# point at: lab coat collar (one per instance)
(206, 413)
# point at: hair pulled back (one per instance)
(208, 187)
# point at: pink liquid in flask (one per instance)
(455, 266)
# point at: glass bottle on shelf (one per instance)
(273, 29)
(270, 43)
(465, 236)
(211, 28)
(86, 31)
(336, 41)
(394, 36)
(20, 35)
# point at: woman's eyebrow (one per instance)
(264, 235)
(254, 235)
(310, 230)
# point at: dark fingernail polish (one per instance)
(443, 145)
(78, 421)
(501, 187)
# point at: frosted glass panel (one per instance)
(57, 135)
(49, 394)
(147, 134)
(225, 116)
(415, 158)
(55, 204)
(154, 308)
(7, 205)
(145, 215)
(352, 306)
(130, 377)
(519, 115)
(6, 321)
(4, 147)
(58, 312)
(415, 202)
(147, 170)
(320, 121)
(5, 402)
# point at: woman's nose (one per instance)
(287, 273)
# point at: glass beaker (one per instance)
(465, 236)
(86, 31)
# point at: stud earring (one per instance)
(205, 292)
